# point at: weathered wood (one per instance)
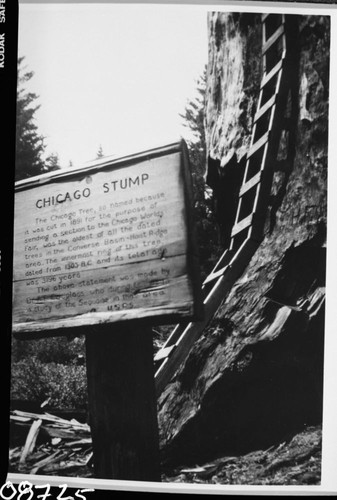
(264, 17)
(215, 275)
(193, 331)
(122, 404)
(31, 440)
(267, 105)
(272, 39)
(243, 224)
(257, 145)
(50, 459)
(224, 275)
(268, 76)
(251, 183)
(170, 342)
(104, 245)
(163, 353)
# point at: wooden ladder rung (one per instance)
(267, 105)
(243, 224)
(164, 352)
(264, 16)
(250, 184)
(257, 145)
(268, 76)
(176, 333)
(272, 39)
(215, 274)
(227, 255)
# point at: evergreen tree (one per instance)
(99, 153)
(207, 229)
(30, 145)
(52, 162)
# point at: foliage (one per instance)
(50, 368)
(65, 385)
(30, 146)
(193, 117)
(207, 232)
(99, 153)
(52, 162)
(50, 350)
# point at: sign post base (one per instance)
(122, 403)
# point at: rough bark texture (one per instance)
(256, 374)
(233, 82)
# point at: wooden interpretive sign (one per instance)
(106, 243)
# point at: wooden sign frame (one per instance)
(50, 208)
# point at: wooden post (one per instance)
(122, 403)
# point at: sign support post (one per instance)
(122, 403)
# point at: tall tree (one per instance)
(207, 228)
(30, 146)
(52, 162)
(99, 153)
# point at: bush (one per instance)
(61, 350)
(65, 385)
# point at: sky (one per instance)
(115, 76)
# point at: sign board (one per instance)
(106, 243)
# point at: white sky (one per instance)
(111, 75)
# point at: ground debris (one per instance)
(52, 445)
(295, 462)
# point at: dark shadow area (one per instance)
(226, 182)
(287, 144)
